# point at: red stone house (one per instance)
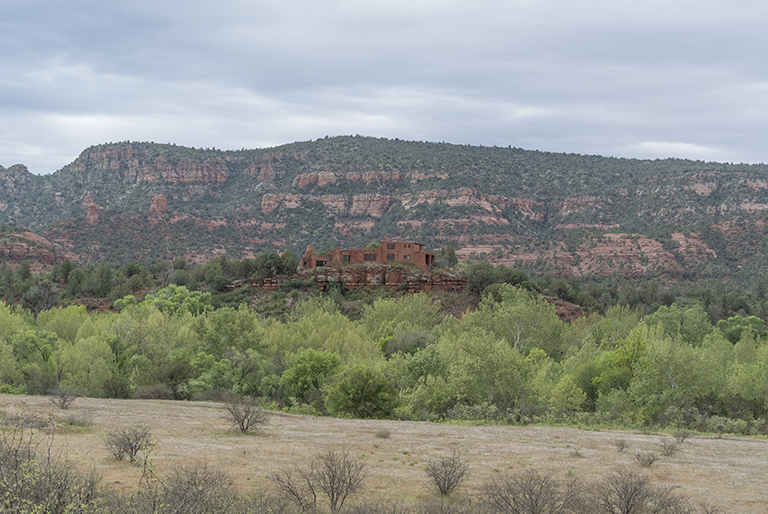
(388, 252)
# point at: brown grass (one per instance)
(729, 472)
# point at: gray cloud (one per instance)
(636, 79)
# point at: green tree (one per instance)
(522, 318)
(362, 393)
(41, 296)
(307, 375)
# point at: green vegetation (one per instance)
(510, 358)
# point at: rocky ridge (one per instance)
(569, 214)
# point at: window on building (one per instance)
(390, 246)
(390, 257)
(369, 257)
(345, 259)
(320, 263)
(407, 257)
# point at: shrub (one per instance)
(681, 434)
(621, 444)
(196, 489)
(628, 493)
(31, 483)
(62, 397)
(362, 393)
(78, 420)
(447, 472)
(337, 475)
(668, 448)
(128, 442)
(532, 493)
(244, 412)
(647, 459)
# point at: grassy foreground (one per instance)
(728, 472)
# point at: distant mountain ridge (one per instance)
(566, 213)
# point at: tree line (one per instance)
(511, 359)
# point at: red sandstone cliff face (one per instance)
(135, 166)
(39, 251)
(159, 205)
(629, 255)
(92, 216)
(374, 204)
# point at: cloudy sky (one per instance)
(629, 78)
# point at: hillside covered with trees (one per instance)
(571, 215)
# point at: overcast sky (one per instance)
(627, 78)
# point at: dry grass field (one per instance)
(729, 472)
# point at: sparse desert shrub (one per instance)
(383, 433)
(447, 472)
(196, 489)
(128, 442)
(621, 445)
(32, 483)
(62, 397)
(22, 420)
(244, 412)
(532, 493)
(668, 448)
(297, 486)
(630, 493)
(681, 434)
(78, 420)
(646, 459)
(337, 475)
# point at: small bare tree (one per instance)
(62, 397)
(128, 442)
(447, 472)
(335, 474)
(338, 475)
(631, 493)
(244, 412)
(298, 486)
(646, 460)
(532, 493)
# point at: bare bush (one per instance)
(62, 397)
(337, 475)
(447, 472)
(128, 442)
(668, 448)
(298, 486)
(621, 445)
(383, 433)
(681, 434)
(192, 490)
(632, 493)
(646, 459)
(244, 412)
(532, 493)
(31, 482)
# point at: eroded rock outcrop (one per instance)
(362, 277)
(159, 205)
